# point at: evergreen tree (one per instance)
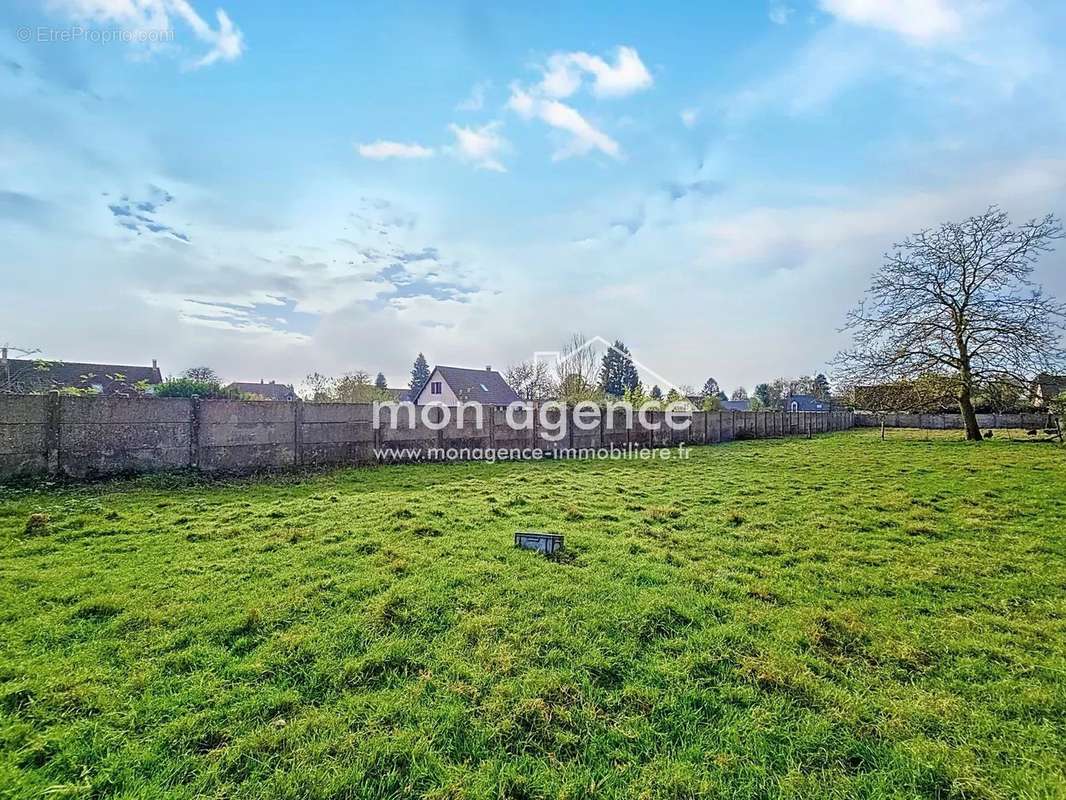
(419, 373)
(380, 382)
(763, 392)
(740, 393)
(711, 388)
(656, 392)
(821, 387)
(618, 374)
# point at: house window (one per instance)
(434, 388)
(795, 406)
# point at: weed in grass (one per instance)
(37, 525)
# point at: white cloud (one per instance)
(563, 74)
(922, 21)
(689, 117)
(521, 102)
(480, 146)
(586, 137)
(560, 78)
(780, 12)
(226, 41)
(628, 75)
(475, 101)
(383, 149)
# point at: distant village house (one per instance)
(37, 376)
(264, 390)
(450, 386)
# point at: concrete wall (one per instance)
(84, 437)
(939, 422)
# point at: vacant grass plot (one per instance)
(839, 617)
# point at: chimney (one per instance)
(261, 381)
(272, 383)
(3, 355)
(155, 365)
(488, 368)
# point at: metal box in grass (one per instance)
(546, 543)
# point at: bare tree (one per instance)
(318, 388)
(577, 370)
(532, 380)
(956, 303)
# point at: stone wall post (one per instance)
(194, 433)
(52, 441)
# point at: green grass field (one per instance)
(841, 617)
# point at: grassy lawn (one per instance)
(841, 617)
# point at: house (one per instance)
(804, 402)
(398, 395)
(264, 390)
(736, 405)
(451, 385)
(1047, 387)
(36, 376)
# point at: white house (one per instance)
(451, 385)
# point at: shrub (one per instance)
(188, 387)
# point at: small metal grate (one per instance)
(541, 542)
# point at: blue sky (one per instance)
(275, 189)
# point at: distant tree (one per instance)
(656, 393)
(190, 387)
(576, 370)
(780, 388)
(617, 371)
(356, 387)
(531, 380)
(821, 387)
(318, 388)
(957, 301)
(202, 374)
(711, 388)
(801, 385)
(637, 398)
(755, 403)
(673, 396)
(712, 402)
(762, 394)
(380, 381)
(419, 373)
(740, 393)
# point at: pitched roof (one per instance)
(41, 375)
(268, 391)
(399, 395)
(804, 402)
(478, 385)
(736, 405)
(1049, 386)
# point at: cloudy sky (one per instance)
(274, 189)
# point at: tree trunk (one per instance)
(969, 417)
